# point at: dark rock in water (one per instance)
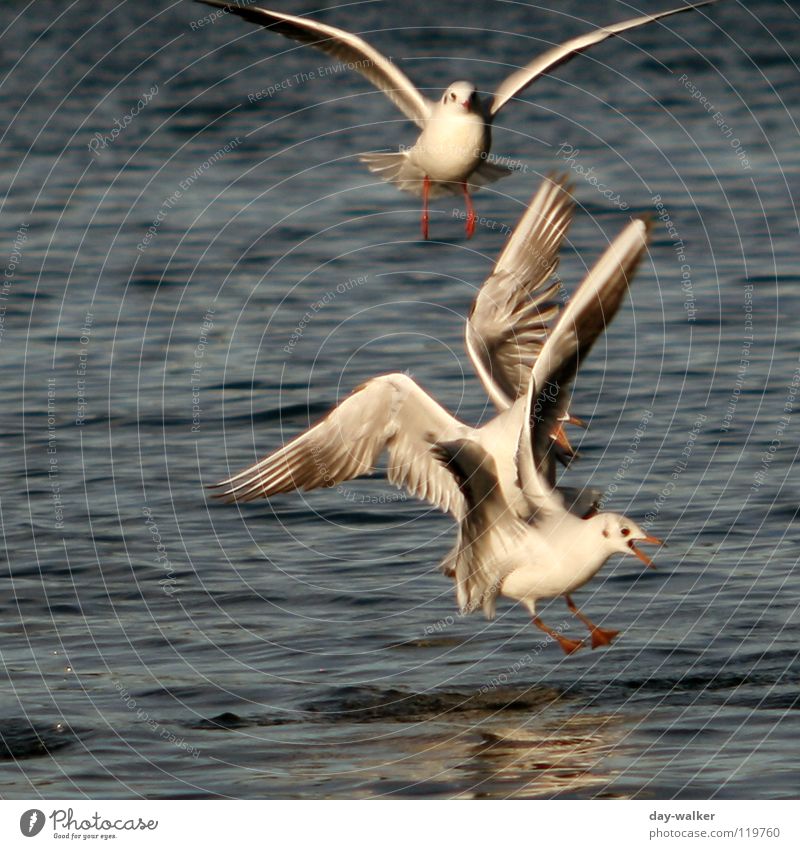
(365, 704)
(21, 739)
(223, 720)
(229, 721)
(429, 643)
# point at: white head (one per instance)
(622, 533)
(461, 96)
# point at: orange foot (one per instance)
(570, 646)
(602, 637)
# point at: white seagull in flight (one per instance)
(544, 550)
(451, 154)
(526, 360)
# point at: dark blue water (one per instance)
(157, 644)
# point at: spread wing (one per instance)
(586, 316)
(510, 317)
(551, 59)
(387, 413)
(346, 47)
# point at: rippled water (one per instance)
(308, 647)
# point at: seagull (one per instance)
(505, 331)
(526, 358)
(545, 551)
(551, 554)
(452, 152)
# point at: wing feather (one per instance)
(488, 531)
(346, 47)
(586, 316)
(389, 413)
(510, 317)
(551, 59)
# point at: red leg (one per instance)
(566, 644)
(470, 211)
(600, 636)
(426, 188)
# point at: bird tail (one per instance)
(395, 168)
(488, 172)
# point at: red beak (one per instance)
(640, 554)
(465, 104)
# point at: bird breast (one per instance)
(561, 558)
(451, 146)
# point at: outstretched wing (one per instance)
(586, 316)
(510, 317)
(551, 59)
(387, 413)
(346, 47)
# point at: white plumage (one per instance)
(451, 155)
(517, 534)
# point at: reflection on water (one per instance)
(560, 756)
(513, 743)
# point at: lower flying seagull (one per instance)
(497, 480)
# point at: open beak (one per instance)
(640, 554)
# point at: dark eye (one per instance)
(452, 95)
(625, 532)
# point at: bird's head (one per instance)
(461, 96)
(622, 535)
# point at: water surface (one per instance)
(157, 644)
